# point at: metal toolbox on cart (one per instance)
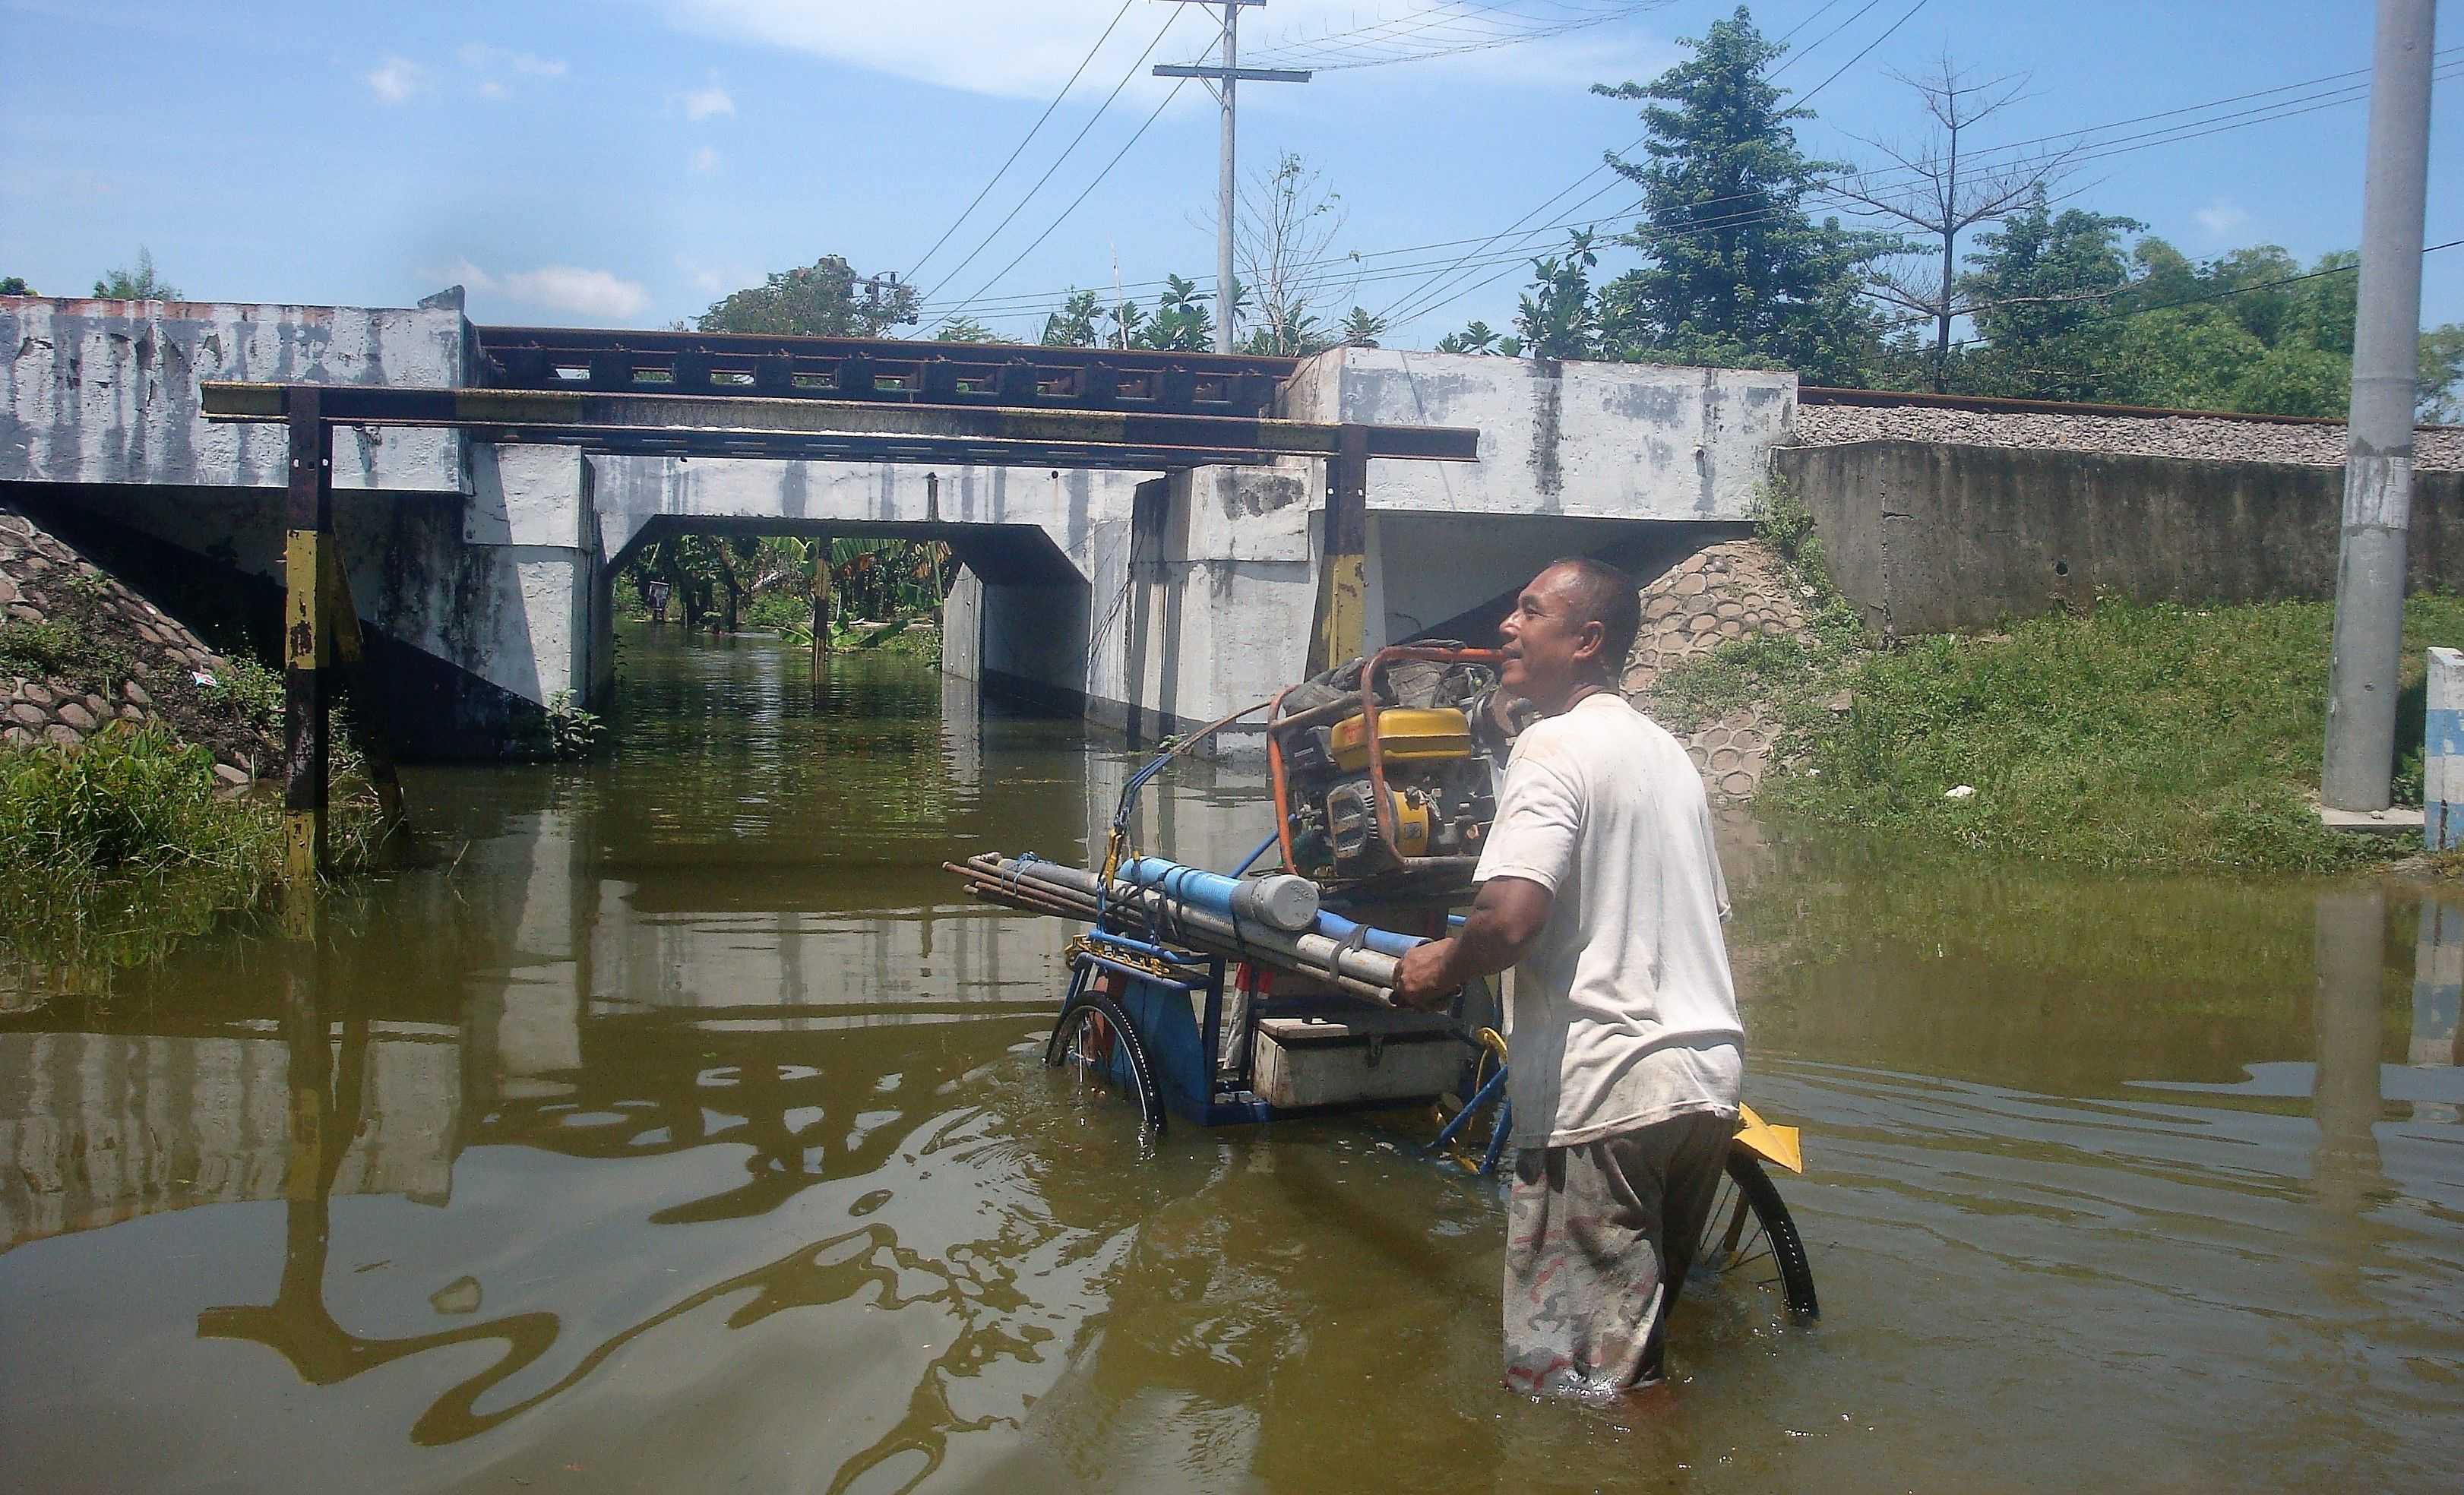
(1354, 1055)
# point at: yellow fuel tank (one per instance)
(1403, 737)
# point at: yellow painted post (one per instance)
(1341, 628)
(309, 530)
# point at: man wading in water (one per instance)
(1600, 885)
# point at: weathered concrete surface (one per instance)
(107, 392)
(477, 576)
(1621, 441)
(1926, 538)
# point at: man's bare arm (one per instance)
(1505, 919)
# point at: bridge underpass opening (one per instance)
(686, 426)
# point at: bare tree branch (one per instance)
(1289, 221)
(1931, 188)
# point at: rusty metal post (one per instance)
(821, 599)
(1341, 630)
(309, 530)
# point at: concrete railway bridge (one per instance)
(1144, 536)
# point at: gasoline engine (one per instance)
(1379, 772)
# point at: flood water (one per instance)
(680, 1130)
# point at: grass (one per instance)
(110, 853)
(2152, 737)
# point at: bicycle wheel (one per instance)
(1108, 1061)
(1748, 1240)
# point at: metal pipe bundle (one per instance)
(1283, 901)
(1049, 888)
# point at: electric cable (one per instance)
(1066, 150)
(1023, 141)
(1081, 196)
(1441, 281)
(2354, 94)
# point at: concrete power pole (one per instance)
(1221, 78)
(2378, 465)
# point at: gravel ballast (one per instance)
(2435, 449)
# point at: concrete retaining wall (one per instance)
(1927, 538)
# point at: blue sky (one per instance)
(623, 163)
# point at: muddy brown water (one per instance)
(680, 1130)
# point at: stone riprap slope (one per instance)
(1736, 589)
(109, 656)
(2436, 448)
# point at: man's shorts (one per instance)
(1598, 1239)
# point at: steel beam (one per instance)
(883, 369)
(842, 430)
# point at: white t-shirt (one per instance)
(1622, 1012)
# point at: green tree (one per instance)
(2251, 330)
(825, 298)
(138, 284)
(1479, 338)
(2041, 293)
(2442, 374)
(1362, 328)
(1735, 273)
(963, 329)
(1183, 319)
(1557, 318)
(1073, 326)
(16, 285)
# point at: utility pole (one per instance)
(1221, 78)
(2378, 463)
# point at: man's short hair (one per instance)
(1607, 596)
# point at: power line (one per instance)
(2121, 146)
(2147, 139)
(1470, 28)
(2150, 140)
(1416, 299)
(1036, 302)
(1819, 12)
(1861, 56)
(1007, 218)
(1023, 141)
(1075, 201)
(2220, 295)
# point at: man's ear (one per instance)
(1595, 638)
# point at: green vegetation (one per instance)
(109, 853)
(137, 284)
(769, 583)
(2156, 737)
(572, 732)
(1729, 268)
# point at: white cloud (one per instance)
(2222, 218)
(562, 288)
(1020, 48)
(705, 159)
(481, 57)
(702, 102)
(490, 88)
(396, 78)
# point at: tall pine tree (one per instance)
(1735, 273)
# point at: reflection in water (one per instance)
(675, 1131)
